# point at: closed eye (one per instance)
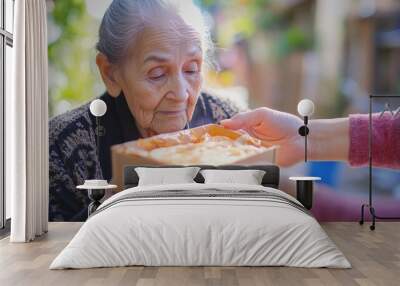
(157, 77)
(156, 73)
(192, 68)
(191, 71)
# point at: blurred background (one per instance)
(269, 53)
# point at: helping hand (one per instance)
(274, 127)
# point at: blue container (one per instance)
(327, 170)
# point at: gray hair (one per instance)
(125, 19)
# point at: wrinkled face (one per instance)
(161, 78)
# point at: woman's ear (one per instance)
(107, 72)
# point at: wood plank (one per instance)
(375, 257)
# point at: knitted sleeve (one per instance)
(72, 159)
(385, 133)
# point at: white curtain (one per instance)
(27, 124)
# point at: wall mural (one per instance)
(156, 72)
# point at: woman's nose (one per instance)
(179, 89)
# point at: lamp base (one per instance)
(303, 130)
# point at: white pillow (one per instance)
(163, 176)
(248, 177)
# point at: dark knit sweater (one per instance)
(73, 153)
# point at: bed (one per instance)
(198, 224)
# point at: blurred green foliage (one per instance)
(71, 54)
(293, 39)
(255, 16)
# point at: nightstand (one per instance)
(304, 190)
(96, 192)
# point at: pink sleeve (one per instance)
(385, 140)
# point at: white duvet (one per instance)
(200, 231)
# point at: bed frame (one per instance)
(270, 179)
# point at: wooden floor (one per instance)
(375, 257)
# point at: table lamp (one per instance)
(96, 188)
(305, 108)
(98, 108)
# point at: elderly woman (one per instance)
(150, 57)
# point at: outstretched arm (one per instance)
(340, 139)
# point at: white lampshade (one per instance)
(305, 107)
(98, 107)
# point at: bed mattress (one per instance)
(201, 225)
